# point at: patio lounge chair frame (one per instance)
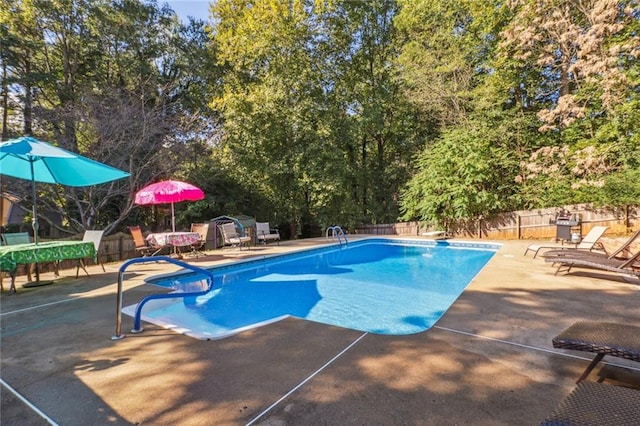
(589, 242)
(264, 233)
(94, 236)
(593, 403)
(16, 238)
(230, 236)
(628, 266)
(142, 246)
(202, 229)
(601, 338)
(618, 253)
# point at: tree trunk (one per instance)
(28, 100)
(5, 102)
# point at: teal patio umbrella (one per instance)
(37, 161)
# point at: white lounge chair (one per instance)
(94, 237)
(589, 242)
(265, 234)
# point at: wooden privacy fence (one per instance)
(523, 224)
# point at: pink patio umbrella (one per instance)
(168, 191)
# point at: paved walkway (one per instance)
(488, 360)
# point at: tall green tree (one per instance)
(549, 87)
(468, 165)
(375, 128)
(585, 56)
(273, 130)
(311, 112)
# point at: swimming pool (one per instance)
(382, 286)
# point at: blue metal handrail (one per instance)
(136, 323)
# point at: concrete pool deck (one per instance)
(488, 361)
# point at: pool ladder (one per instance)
(208, 275)
(337, 233)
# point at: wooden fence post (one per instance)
(120, 253)
(627, 220)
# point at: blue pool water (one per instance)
(379, 286)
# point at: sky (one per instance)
(184, 8)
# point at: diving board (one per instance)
(436, 235)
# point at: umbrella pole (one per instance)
(173, 219)
(34, 212)
(173, 228)
(34, 220)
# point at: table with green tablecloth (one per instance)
(50, 251)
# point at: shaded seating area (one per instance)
(589, 242)
(142, 246)
(265, 234)
(231, 237)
